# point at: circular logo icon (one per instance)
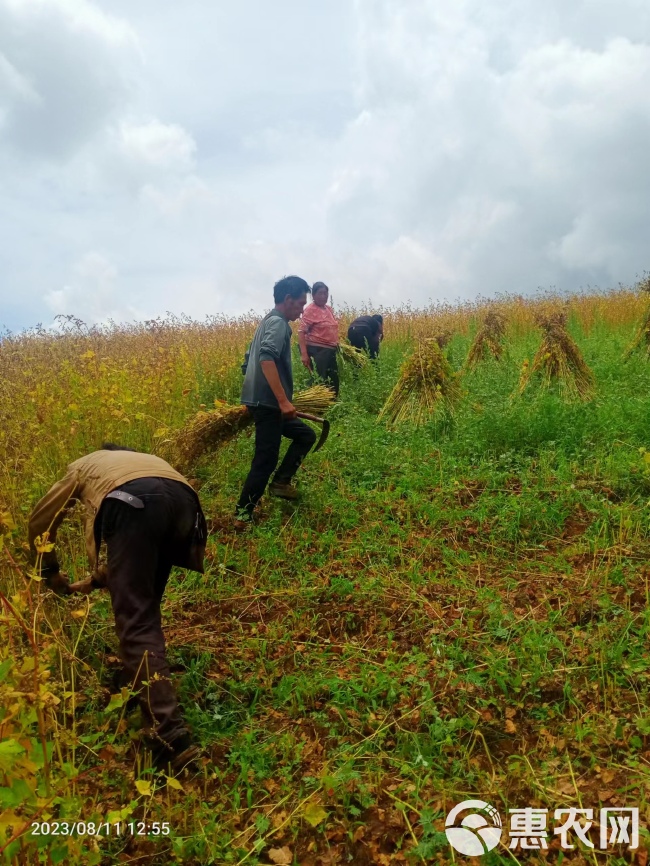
(478, 832)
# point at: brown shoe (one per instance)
(283, 491)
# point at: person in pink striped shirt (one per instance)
(318, 337)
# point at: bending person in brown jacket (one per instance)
(150, 519)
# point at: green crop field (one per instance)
(453, 611)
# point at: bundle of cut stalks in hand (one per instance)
(426, 383)
(207, 431)
(559, 360)
(351, 355)
(489, 340)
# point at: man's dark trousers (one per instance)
(142, 544)
(324, 360)
(270, 427)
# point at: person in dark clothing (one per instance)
(267, 392)
(366, 332)
(150, 519)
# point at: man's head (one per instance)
(111, 446)
(320, 294)
(378, 318)
(290, 295)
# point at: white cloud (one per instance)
(435, 149)
(165, 146)
(65, 69)
(516, 176)
(92, 295)
(190, 195)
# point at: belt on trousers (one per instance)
(134, 501)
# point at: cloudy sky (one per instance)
(157, 155)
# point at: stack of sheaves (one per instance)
(489, 340)
(207, 431)
(427, 383)
(641, 340)
(559, 360)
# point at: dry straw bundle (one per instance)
(559, 359)
(489, 341)
(207, 431)
(443, 338)
(352, 355)
(641, 342)
(426, 383)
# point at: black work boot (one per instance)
(176, 756)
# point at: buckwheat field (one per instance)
(457, 608)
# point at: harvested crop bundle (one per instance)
(427, 382)
(641, 342)
(559, 360)
(351, 355)
(207, 431)
(443, 338)
(489, 340)
(315, 400)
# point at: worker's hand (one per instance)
(58, 582)
(100, 576)
(288, 411)
(306, 360)
(83, 586)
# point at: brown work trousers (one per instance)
(142, 545)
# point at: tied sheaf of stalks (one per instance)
(443, 338)
(641, 340)
(559, 359)
(352, 355)
(207, 431)
(489, 341)
(426, 383)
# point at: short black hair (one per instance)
(317, 287)
(378, 318)
(292, 286)
(111, 446)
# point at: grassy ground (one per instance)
(451, 612)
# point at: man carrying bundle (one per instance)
(151, 519)
(267, 392)
(366, 332)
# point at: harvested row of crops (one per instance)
(427, 382)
